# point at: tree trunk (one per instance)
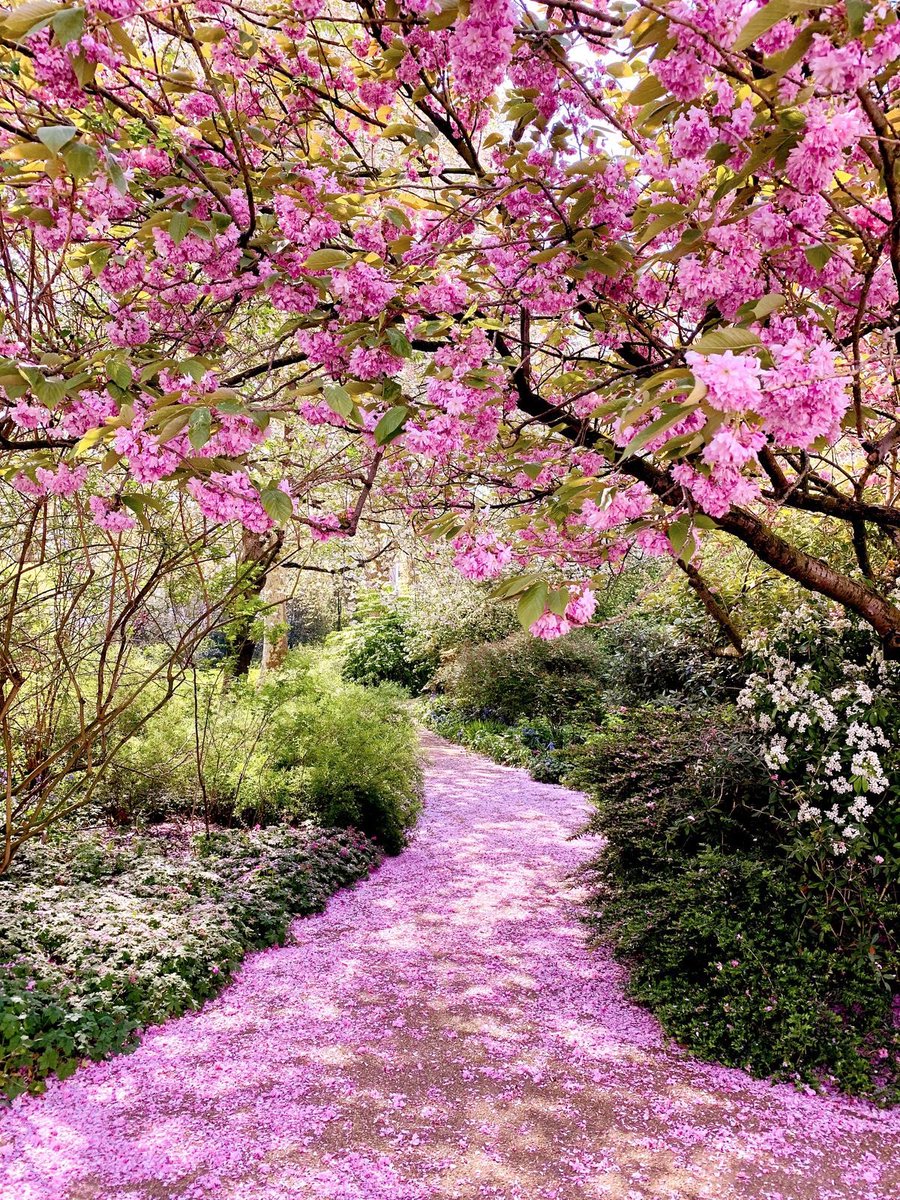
(258, 553)
(275, 630)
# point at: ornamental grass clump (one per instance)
(100, 937)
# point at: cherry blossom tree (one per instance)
(565, 280)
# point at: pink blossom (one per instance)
(64, 481)
(549, 626)
(109, 515)
(581, 607)
(732, 380)
(481, 48)
(718, 491)
(128, 329)
(482, 556)
(693, 134)
(362, 291)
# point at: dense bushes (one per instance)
(304, 745)
(700, 889)
(386, 646)
(99, 938)
(522, 677)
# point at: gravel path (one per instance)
(440, 1032)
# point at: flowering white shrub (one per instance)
(828, 708)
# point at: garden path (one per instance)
(440, 1032)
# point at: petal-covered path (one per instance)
(441, 1031)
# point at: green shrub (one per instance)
(348, 755)
(698, 892)
(642, 660)
(99, 939)
(525, 678)
(303, 746)
(385, 646)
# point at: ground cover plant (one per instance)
(101, 936)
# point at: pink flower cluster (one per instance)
(481, 555)
(481, 48)
(224, 498)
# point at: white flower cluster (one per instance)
(819, 731)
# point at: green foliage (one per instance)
(303, 746)
(349, 755)
(452, 611)
(99, 939)
(697, 892)
(523, 677)
(644, 659)
(386, 647)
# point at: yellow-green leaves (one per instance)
(54, 137)
(719, 340)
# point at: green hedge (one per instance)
(697, 890)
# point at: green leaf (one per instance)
(558, 601)
(391, 424)
(856, 15)
(446, 17)
(90, 439)
(277, 504)
(818, 256)
(25, 18)
(323, 260)
(81, 160)
(117, 175)
(137, 504)
(725, 339)
(761, 22)
(680, 538)
(200, 427)
(648, 89)
(397, 217)
(195, 367)
(671, 415)
(513, 587)
(391, 391)
(119, 373)
(658, 225)
(54, 137)
(338, 400)
(398, 342)
(68, 25)
(179, 226)
(50, 391)
(172, 428)
(757, 310)
(532, 604)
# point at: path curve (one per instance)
(441, 1032)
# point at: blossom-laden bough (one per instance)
(564, 279)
